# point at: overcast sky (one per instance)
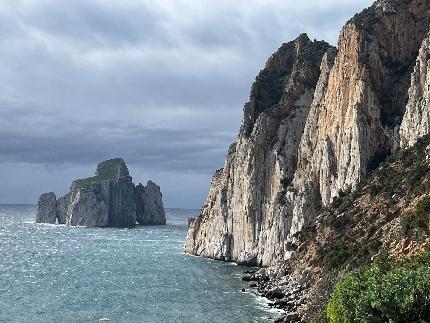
(160, 83)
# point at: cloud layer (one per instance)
(159, 83)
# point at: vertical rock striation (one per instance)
(105, 200)
(318, 121)
(416, 122)
(244, 218)
(62, 207)
(149, 204)
(46, 208)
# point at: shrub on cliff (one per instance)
(398, 295)
(418, 222)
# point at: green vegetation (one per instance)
(391, 292)
(354, 231)
(335, 254)
(417, 223)
(108, 170)
(340, 253)
(313, 52)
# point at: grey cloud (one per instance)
(160, 83)
(87, 142)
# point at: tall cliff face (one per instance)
(149, 204)
(243, 218)
(46, 209)
(315, 124)
(416, 122)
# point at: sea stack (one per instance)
(107, 199)
(46, 208)
(149, 204)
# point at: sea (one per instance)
(56, 273)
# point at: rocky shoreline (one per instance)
(330, 167)
(288, 297)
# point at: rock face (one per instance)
(416, 122)
(354, 231)
(46, 209)
(104, 200)
(244, 216)
(62, 207)
(318, 121)
(149, 204)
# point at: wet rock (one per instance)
(149, 204)
(62, 207)
(46, 208)
(275, 293)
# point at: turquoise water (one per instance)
(51, 273)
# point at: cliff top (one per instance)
(110, 169)
(295, 64)
(366, 17)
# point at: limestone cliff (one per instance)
(244, 216)
(317, 122)
(386, 219)
(46, 209)
(416, 122)
(104, 200)
(149, 204)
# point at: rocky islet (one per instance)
(108, 199)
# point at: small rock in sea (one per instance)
(243, 290)
(249, 278)
(46, 208)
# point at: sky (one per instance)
(161, 84)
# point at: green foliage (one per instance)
(312, 52)
(334, 254)
(401, 294)
(339, 253)
(420, 260)
(106, 171)
(109, 169)
(351, 300)
(418, 222)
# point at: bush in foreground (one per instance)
(373, 295)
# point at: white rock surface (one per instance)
(295, 154)
(416, 122)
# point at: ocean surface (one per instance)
(55, 273)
